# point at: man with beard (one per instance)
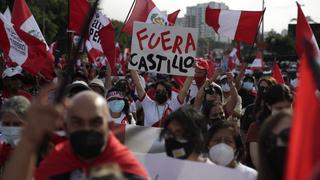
(156, 111)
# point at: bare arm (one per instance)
(135, 78)
(184, 91)
(41, 118)
(237, 81)
(229, 107)
(200, 95)
(253, 147)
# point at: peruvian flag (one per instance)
(276, 74)
(146, 11)
(304, 31)
(23, 18)
(22, 48)
(257, 62)
(237, 25)
(233, 60)
(93, 53)
(78, 14)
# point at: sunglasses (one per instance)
(284, 135)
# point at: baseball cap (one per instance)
(115, 94)
(76, 87)
(98, 83)
(12, 71)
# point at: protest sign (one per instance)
(163, 49)
(138, 138)
(161, 167)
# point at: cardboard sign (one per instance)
(161, 167)
(163, 49)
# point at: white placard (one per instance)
(161, 167)
(163, 49)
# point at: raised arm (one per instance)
(229, 107)
(237, 81)
(135, 78)
(200, 95)
(184, 91)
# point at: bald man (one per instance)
(90, 143)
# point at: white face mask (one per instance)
(221, 154)
(294, 82)
(11, 135)
(225, 87)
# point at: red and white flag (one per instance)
(78, 14)
(304, 31)
(257, 62)
(7, 14)
(233, 60)
(23, 19)
(93, 53)
(146, 11)
(237, 25)
(22, 48)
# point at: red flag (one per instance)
(304, 147)
(238, 25)
(22, 48)
(78, 12)
(276, 74)
(107, 36)
(304, 31)
(23, 18)
(146, 11)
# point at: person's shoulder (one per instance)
(251, 173)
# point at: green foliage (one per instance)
(121, 37)
(279, 45)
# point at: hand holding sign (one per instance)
(163, 49)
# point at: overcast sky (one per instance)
(277, 15)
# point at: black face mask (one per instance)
(161, 97)
(178, 149)
(277, 157)
(87, 144)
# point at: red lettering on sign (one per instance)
(190, 42)
(150, 41)
(176, 46)
(164, 40)
(140, 38)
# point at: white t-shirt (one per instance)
(153, 112)
(133, 107)
(122, 119)
(249, 173)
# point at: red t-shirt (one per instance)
(253, 133)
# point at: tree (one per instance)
(279, 45)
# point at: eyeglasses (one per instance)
(284, 135)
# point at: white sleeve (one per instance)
(174, 104)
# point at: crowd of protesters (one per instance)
(239, 120)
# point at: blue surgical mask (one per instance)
(116, 106)
(247, 85)
(11, 135)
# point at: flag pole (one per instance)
(125, 21)
(251, 49)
